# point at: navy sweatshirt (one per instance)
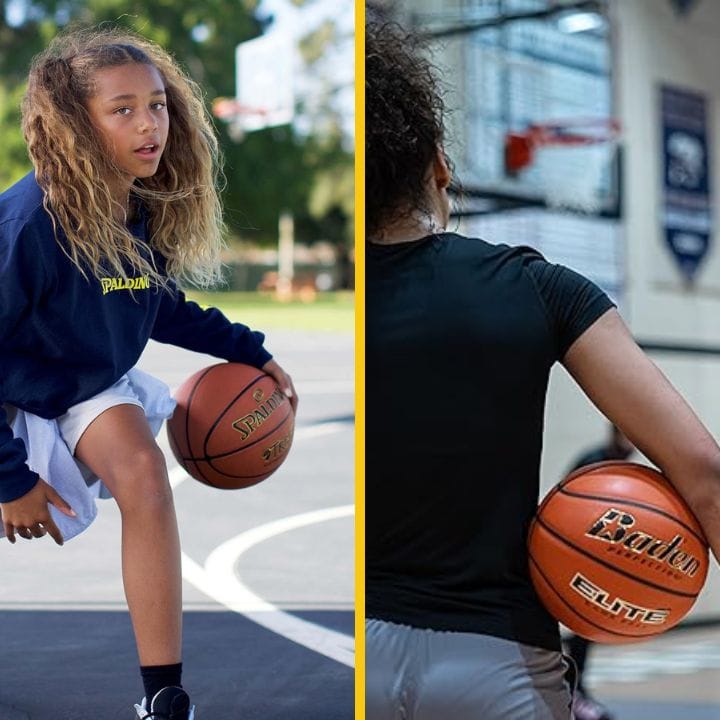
(64, 338)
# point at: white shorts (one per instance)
(51, 444)
(77, 419)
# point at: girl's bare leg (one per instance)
(119, 448)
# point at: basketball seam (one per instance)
(254, 442)
(209, 461)
(239, 477)
(577, 612)
(221, 415)
(635, 503)
(202, 474)
(187, 418)
(173, 440)
(208, 458)
(189, 404)
(609, 566)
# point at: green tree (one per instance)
(270, 171)
(14, 161)
(330, 152)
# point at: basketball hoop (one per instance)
(563, 136)
(265, 70)
(230, 109)
(520, 147)
(240, 118)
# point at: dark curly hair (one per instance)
(404, 126)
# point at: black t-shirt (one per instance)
(460, 337)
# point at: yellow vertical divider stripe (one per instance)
(359, 360)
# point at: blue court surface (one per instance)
(66, 665)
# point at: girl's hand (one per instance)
(283, 380)
(29, 515)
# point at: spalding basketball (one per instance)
(615, 553)
(232, 427)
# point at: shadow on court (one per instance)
(71, 665)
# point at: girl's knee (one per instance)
(141, 478)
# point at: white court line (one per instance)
(234, 594)
(219, 581)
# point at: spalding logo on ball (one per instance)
(615, 553)
(232, 427)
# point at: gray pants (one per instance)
(414, 674)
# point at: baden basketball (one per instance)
(232, 427)
(615, 553)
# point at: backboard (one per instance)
(265, 69)
(510, 65)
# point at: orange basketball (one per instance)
(615, 553)
(232, 427)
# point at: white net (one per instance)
(507, 78)
(575, 177)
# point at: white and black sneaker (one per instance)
(170, 703)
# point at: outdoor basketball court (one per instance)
(268, 572)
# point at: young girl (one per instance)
(121, 204)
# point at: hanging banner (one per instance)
(683, 7)
(686, 211)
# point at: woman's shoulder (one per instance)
(465, 244)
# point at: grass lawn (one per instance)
(331, 312)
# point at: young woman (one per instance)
(121, 204)
(461, 336)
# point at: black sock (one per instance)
(156, 677)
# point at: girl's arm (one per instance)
(26, 273)
(184, 323)
(24, 497)
(16, 478)
(631, 391)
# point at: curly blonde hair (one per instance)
(183, 207)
